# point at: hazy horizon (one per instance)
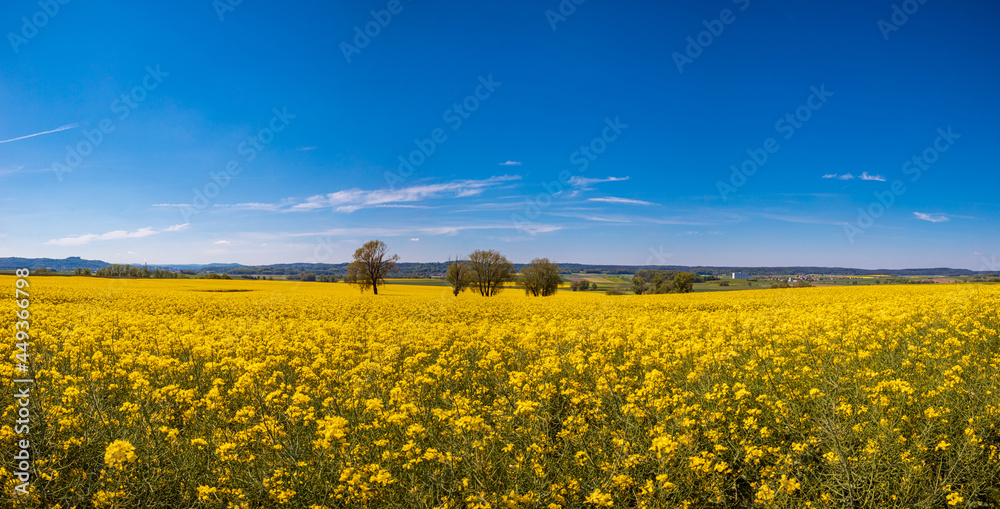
(989, 263)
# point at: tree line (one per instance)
(129, 271)
(484, 271)
(488, 272)
(663, 281)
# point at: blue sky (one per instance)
(730, 132)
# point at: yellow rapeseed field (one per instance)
(207, 393)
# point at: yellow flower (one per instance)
(204, 492)
(599, 499)
(765, 494)
(118, 453)
(789, 484)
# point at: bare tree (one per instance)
(490, 270)
(370, 266)
(541, 277)
(459, 276)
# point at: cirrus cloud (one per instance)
(934, 218)
(624, 201)
(850, 176)
(61, 128)
(584, 183)
(351, 200)
(79, 240)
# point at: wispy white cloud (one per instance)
(934, 218)
(11, 170)
(61, 128)
(221, 242)
(402, 206)
(273, 207)
(493, 206)
(588, 215)
(511, 163)
(583, 183)
(427, 230)
(625, 201)
(801, 219)
(79, 240)
(351, 200)
(850, 176)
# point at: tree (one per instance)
(541, 277)
(490, 270)
(684, 282)
(663, 282)
(638, 285)
(370, 266)
(459, 276)
(307, 276)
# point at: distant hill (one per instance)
(427, 269)
(768, 271)
(70, 263)
(196, 266)
(73, 262)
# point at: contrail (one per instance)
(63, 128)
